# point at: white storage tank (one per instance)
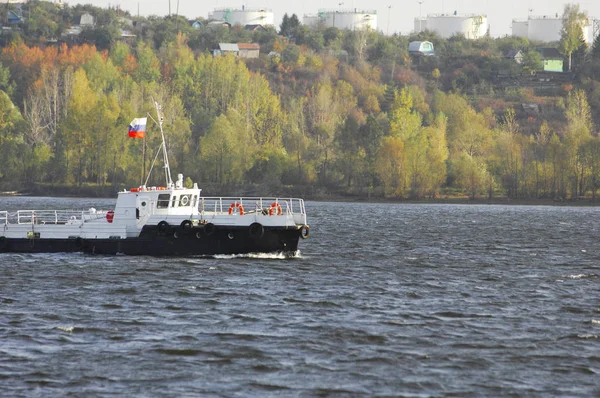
(354, 19)
(545, 28)
(520, 28)
(447, 25)
(548, 28)
(244, 16)
(420, 24)
(310, 20)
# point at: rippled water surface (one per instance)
(384, 300)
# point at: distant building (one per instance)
(216, 24)
(471, 26)
(86, 20)
(352, 19)
(127, 36)
(249, 50)
(547, 28)
(196, 24)
(15, 17)
(515, 55)
(244, 16)
(421, 48)
(255, 28)
(552, 59)
(242, 50)
(226, 48)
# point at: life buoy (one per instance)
(110, 216)
(275, 209)
(304, 232)
(256, 230)
(162, 227)
(135, 190)
(186, 225)
(238, 206)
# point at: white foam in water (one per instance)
(579, 276)
(262, 256)
(68, 329)
(596, 321)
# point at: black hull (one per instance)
(176, 242)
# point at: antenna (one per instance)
(164, 146)
(420, 18)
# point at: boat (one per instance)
(170, 220)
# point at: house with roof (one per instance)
(218, 24)
(15, 16)
(254, 27)
(515, 55)
(421, 48)
(86, 20)
(242, 50)
(248, 50)
(552, 59)
(226, 48)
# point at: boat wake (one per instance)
(262, 256)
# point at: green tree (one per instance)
(572, 31)
(11, 141)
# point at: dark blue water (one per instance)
(384, 300)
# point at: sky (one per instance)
(400, 16)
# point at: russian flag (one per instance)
(137, 128)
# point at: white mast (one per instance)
(164, 146)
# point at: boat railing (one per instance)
(265, 206)
(49, 216)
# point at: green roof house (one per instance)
(552, 59)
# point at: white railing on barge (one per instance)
(289, 206)
(49, 216)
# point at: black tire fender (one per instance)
(162, 227)
(209, 229)
(256, 230)
(186, 225)
(305, 232)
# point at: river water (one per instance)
(383, 300)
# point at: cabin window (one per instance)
(195, 201)
(174, 201)
(184, 200)
(163, 201)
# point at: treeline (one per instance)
(346, 111)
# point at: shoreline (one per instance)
(584, 202)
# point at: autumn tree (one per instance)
(572, 31)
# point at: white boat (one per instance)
(161, 221)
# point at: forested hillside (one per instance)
(321, 111)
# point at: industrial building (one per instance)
(353, 19)
(244, 16)
(471, 26)
(547, 28)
